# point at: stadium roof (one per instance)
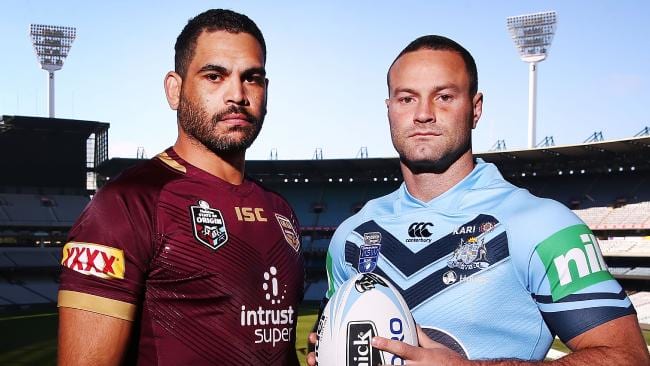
(50, 152)
(598, 157)
(58, 125)
(594, 158)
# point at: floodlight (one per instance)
(52, 44)
(532, 34)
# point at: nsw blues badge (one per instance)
(209, 226)
(369, 252)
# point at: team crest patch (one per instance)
(289, 231)
(369, 252)
(486, 227)
(470, 254)
(209, 226)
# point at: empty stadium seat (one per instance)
(641, 302)
(316, 290)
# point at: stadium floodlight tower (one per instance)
(52, 44)
(532, 34)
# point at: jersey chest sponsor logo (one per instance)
(369, 252)
(573, 261)
(208, 225)
(290, 234)
(94, 259)
(273, 322)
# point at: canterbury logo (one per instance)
(419, 230)
(94, 259)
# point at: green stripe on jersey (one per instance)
(330, 278)
(573, 261)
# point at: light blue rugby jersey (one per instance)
(486, 268)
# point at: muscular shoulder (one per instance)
(145, 178)
(128, 200)
(535, 218)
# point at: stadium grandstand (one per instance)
(56, 164)
(48, 167)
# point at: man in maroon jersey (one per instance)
(182, 260)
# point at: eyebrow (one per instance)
(435, 90)
(223, 70)
(213, 67)
(255, 70)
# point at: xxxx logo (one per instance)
(94, 259)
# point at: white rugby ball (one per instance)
(364, 306)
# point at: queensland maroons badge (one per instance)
(209, 226)
(289, 232)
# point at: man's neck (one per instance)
(427, 186)
(229, 168)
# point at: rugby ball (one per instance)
(364, 306)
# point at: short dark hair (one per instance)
(212, 20)
(440, 43)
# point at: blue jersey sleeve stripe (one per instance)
(571, 323)
(547, 299)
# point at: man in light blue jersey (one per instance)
(490, 272)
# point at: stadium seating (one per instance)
(339, 201)
(18, 294)
(23, 209)
(44, 287)
(315, 290)
(625, 246)
(5, 263)
(616, 271)
(593, 216)
(641, 301)
(69, 207)
(38, 210)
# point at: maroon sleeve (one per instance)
(107, 254)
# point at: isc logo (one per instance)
(577, 256)
(572, 260)
(250, 214)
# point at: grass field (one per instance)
(30, 339)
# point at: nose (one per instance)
(424, 112)
(235, 92)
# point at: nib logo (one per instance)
(271, 286)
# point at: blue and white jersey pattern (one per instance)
(486, 268)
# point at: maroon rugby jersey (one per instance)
(210, 272)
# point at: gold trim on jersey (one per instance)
(165, 158)
(96, 304)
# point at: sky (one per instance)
(327, 63)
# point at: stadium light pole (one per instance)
(532, 34)
(52, 44)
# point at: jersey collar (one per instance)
(482, 174)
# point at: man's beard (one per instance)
(196, 123)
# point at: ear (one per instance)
(387, 101)
(266, 93)
(173, 83)
(477, 103)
